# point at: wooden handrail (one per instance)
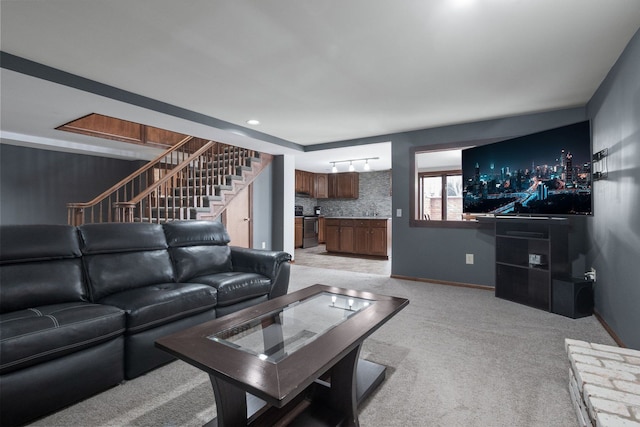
(179, 184)
(129, 178)
(100, 209)
(178, 169)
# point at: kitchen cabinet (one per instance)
(327, 186)
(298, 184)
(322, 185)
(343, 185)
(361, 236)
(298, 239)
(305, 183)
(371, 237)
(347, 237)
(332, 236)
(379, 242)
(339, 235)
(321, 230)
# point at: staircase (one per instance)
(195, 179)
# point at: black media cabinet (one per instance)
(531, 252)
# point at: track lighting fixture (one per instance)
(367, 166)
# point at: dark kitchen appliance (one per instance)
(298, 210)
(310, 231)
(317, 211)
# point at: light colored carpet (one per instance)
(455, 357)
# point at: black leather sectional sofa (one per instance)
(81, 307)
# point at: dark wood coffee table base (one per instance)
(310, 409)
(261, 378)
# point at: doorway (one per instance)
(237, 218)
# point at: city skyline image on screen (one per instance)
(546, 173)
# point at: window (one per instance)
(438, 187)
(440, 196)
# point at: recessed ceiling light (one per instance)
(463, 3)
(253, 122)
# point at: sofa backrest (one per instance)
(198, 248)
(122, 256)
(39, 265)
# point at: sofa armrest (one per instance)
(273, 264)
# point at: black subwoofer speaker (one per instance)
(572, 297)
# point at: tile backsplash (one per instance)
(374, 198)
(307, 204)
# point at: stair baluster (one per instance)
(196, 182)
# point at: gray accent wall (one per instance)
(614, 232)
(36, 185)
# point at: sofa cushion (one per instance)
(121, 237)
(196, 261)
(39, 283)
(39, 265)
(123, 256)
(195, 233)
(155, 305)
(44, 333)
(28, 243)
(234, 286)
(114, 273)
(198, 248)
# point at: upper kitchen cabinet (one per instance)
(327, 186)
(305, 183)
(322, 186)
(344, 185)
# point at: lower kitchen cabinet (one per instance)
(298, 233)
(339, 235)
(346, 237)
(332, 235)
(379, 235)
(361, 236)
(321, 230)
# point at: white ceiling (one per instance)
(312, 72)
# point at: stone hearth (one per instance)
(604, 383)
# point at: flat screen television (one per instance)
(546, 173)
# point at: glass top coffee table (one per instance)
(292, 360)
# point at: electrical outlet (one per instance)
(469, 259)
(399, 213)
(590, 275)
(264, 245)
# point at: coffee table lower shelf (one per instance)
(311, 413)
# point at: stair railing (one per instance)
(100, 209)
(187, 187)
